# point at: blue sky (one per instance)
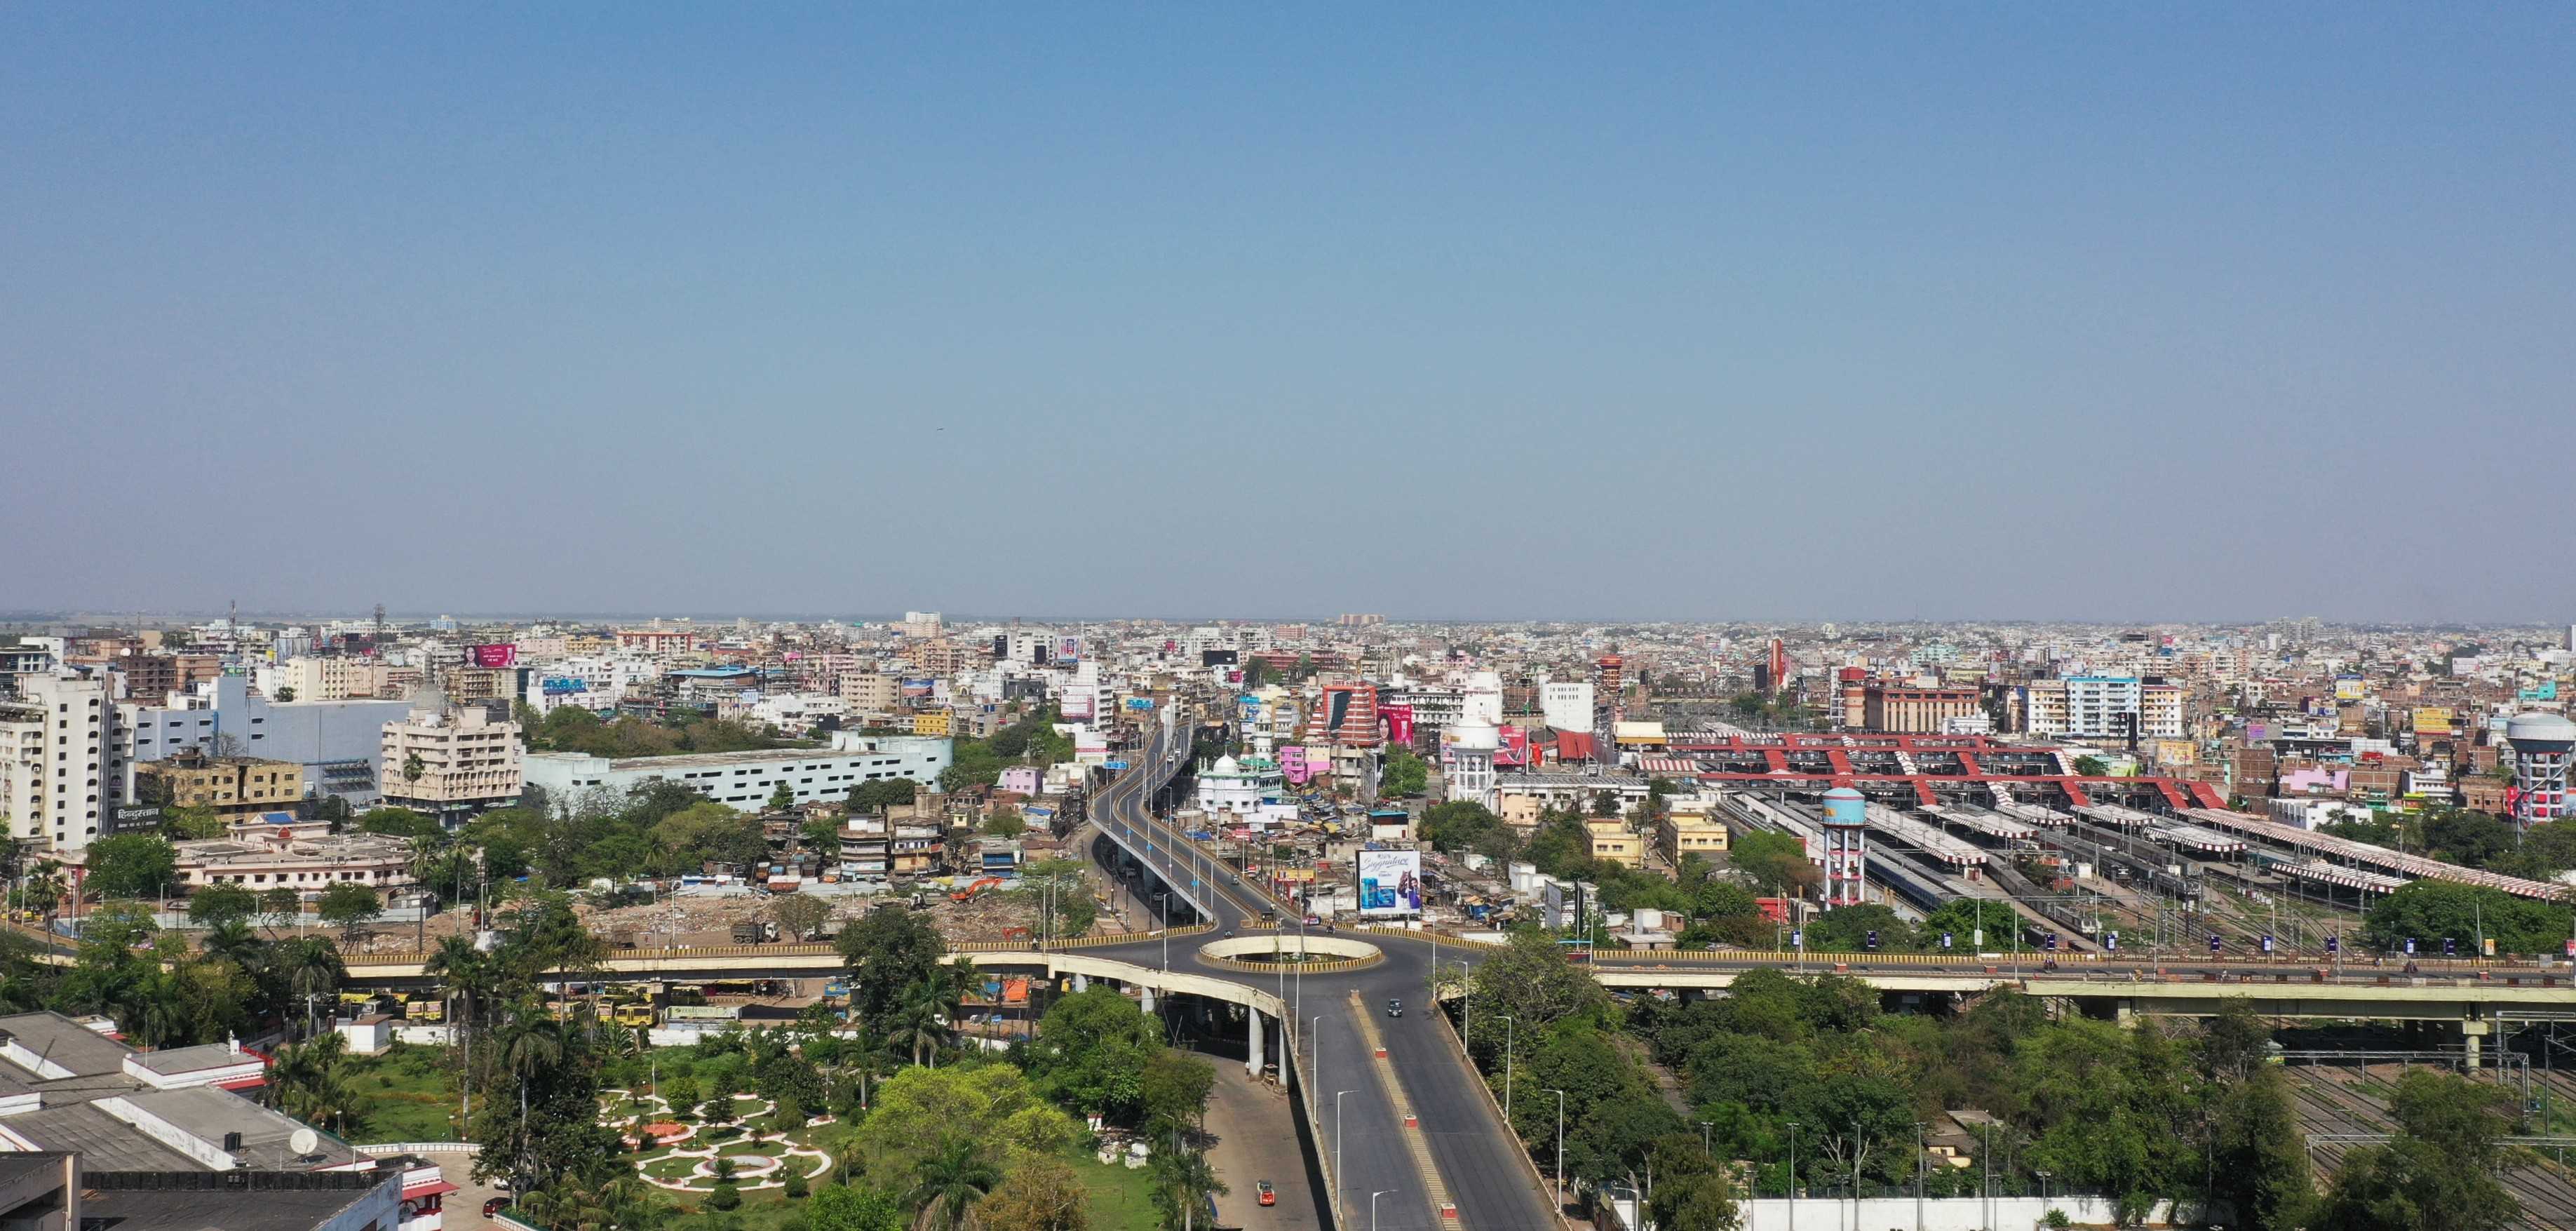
(2012, 311)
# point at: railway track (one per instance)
(2346, 1101)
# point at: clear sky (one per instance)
(1831, 311)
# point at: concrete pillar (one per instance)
(1145, 998)
(2473, 1034)
(1252, 1048)
(2127, 1015)
(1081, 984)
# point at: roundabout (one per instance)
(1311, 954)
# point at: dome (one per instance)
(1842, 792)
(2540, 728)
(1226, 765)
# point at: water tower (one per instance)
(1846, 848)
(1472, 744)
(2540, 746)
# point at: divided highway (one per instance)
(1473, 1158)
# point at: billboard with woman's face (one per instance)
(1390, 882)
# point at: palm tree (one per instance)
(311, 965)
(921, 1021)
(233, 941)
(1183, 1182)
(306, 1081)
(950, 1181)
(470, 975)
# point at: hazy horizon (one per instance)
(2004, 314)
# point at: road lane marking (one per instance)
(1406, 1120)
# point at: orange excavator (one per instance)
(968, 893)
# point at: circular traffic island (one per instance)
(1315, 954)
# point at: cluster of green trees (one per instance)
(2140, 1115)
(570, 728)
(164, 992)
(2429, 911)
(1030, 740)
(2469, 838)
(1537, 1028)
(659, 828)
(1405, 776)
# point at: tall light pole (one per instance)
(1507, 1070)
(1163, 923)
(1703, 1137)
(1918, 1175)
(1793, 1173)
(1560, 1152)
(1337, 1155)
(1373, 1206)
(1314, 1063)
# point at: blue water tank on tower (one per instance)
(1844, 806)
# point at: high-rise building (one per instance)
(450, 762)
(1915, 710)
(63, 770)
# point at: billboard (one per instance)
(563, 685)
(1399, 723)
(1067, 649)
(918, 688)
(492, 655)
(1390, 883)
(2348, 688)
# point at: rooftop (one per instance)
(218, 1201)
(59, 1040)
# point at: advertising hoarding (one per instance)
(918, 688)
(1390, 883)
(492, 655)
(1399, 724)
(1068, 649)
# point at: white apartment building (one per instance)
(746, 780)
(2101, 707)
(794, 713)
(63, 769)
(450, 763)
(1239, 789)
(1566, 706)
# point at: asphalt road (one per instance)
(1474, 1156)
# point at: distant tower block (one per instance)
(1846, 848)
(2540, 747)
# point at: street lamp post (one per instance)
(1560, 1152)
(1918, 1175)
(1703, 1136)
(1508, 1028)
(1337, 1154)
(1373, 1206)
(1793, 1173)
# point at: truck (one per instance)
(753, 932)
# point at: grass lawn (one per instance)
(409, 1094)
(1121, 1200)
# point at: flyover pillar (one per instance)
(1081, 984)
(1252, 1049)
(2126, 1014)
(1145, 998)
(2473, 1032)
